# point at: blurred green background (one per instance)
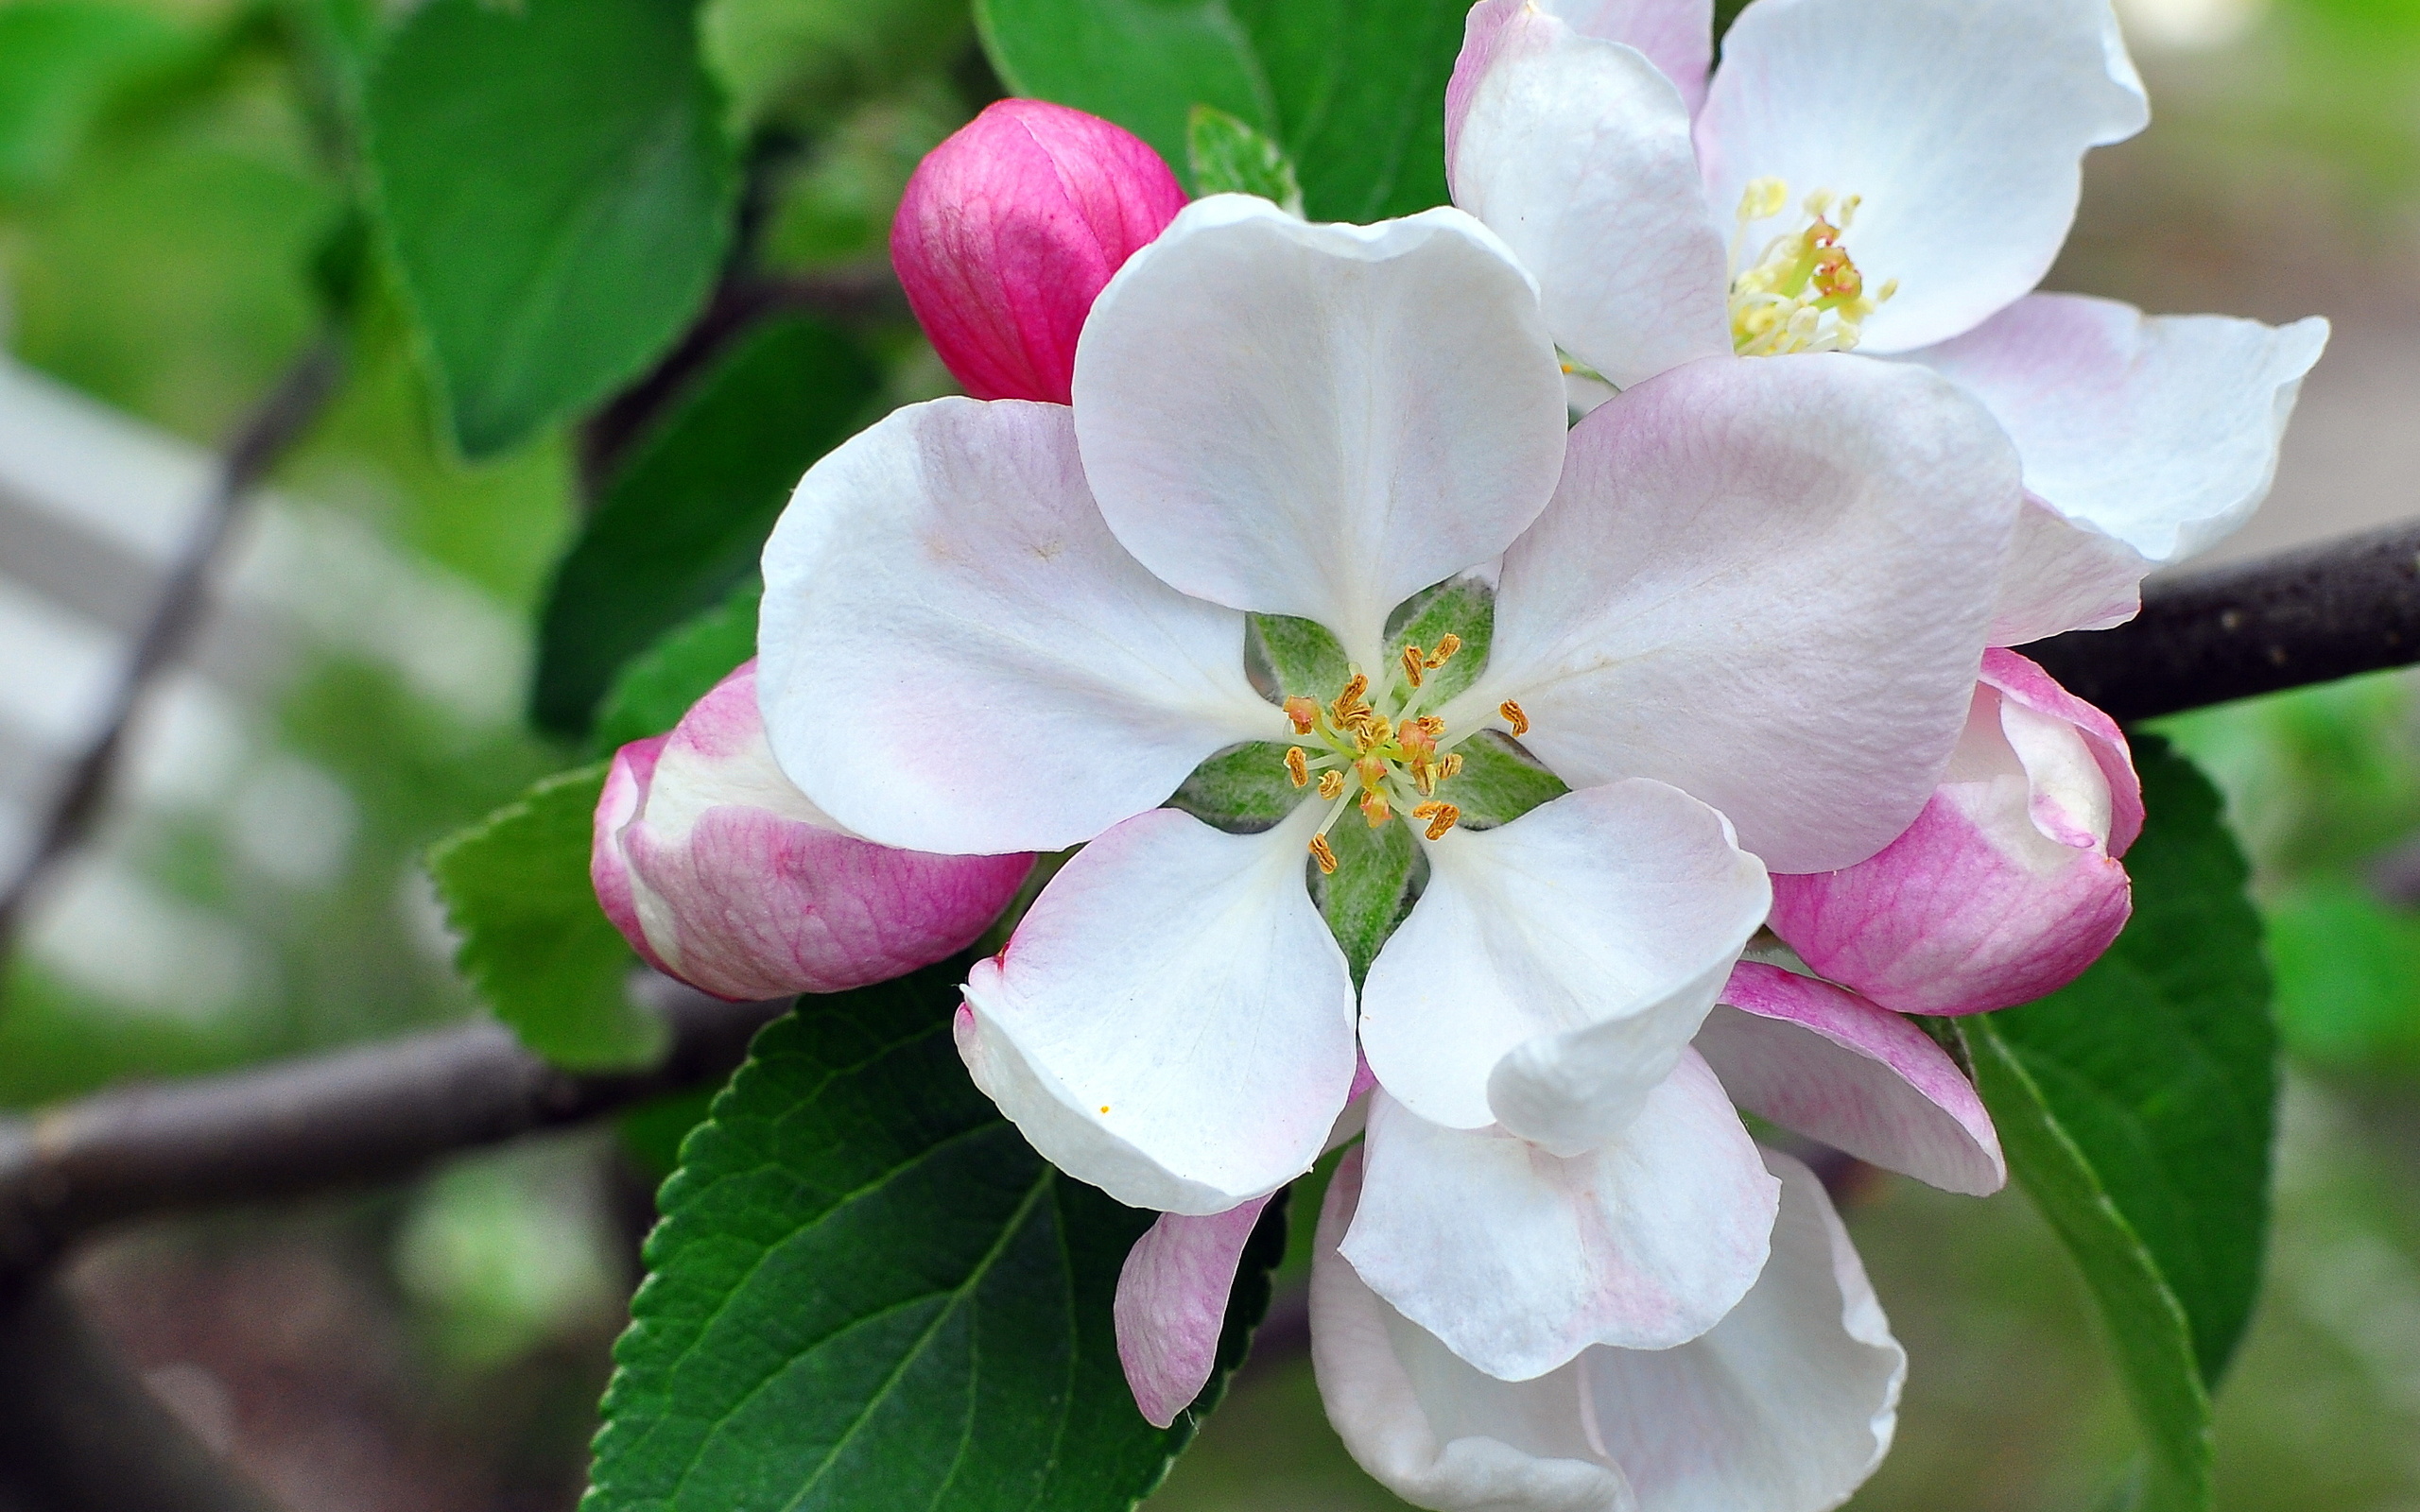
(171, 181)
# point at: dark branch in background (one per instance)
(324, 1121)
(278, 422)
(2306, 616)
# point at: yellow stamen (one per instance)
(1349, 702)
(1441, 817)
(1297, 766)
(1323, 854)
(1451, 766)
(1331, 784)
(1446, 645)
(1430, 725)
(1412, 663)
(1514, 716)
(1304, 711)
(1375, 809)
(1802, 292)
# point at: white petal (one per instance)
(1831, 1065)
(2064, 575)
(1677, 36)
(1766, 582)
(1427, 1426)
(1554, 969)
(1962, 123)
(1172, 1020)
(1577, 152)
(956, 656)
(1518, 1258)
(1786, 1406)
(1318, 420)
(2161, 431)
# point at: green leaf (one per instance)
(1300, 655)
(554, 189)
(655, 690)
(2139, 1106)
(1242, 788)
(62, 63)
(543, 955)
(869, 1294)
(809, 59)
(1377, 877)
(1353, 91)
(1229, 157)
(1499, 781)
(686, 519)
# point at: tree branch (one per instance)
(345, 1119)
(2312, 615)
(275, 425)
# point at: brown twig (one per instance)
(2312, 615)
(325, 1122)
(275, 425)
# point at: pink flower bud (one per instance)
(2008, 884)
(723, 874)
(1008, 231)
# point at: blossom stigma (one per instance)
(1386, 758)
(1803, 291)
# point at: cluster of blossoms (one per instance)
(1719, 766)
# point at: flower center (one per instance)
(1386, 761)
(1802, 292)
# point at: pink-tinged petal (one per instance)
(723, 874)
(1520, 1258)
(1576, 152)
(1821, 1060)
(1319, 420)
(2161, 431)
(1172, 1020)
(1554, 969)
(1786, 1405)
(1677, 36)
(2007, 887)
(2064, 575)
(957, 656)
(1766, 583)
(1009, 229)
(1172, 1303)
(1962, 124)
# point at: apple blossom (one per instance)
(1892, 176)
(1008, 627)
(721, 873)
(1008, 229)
(2008, 884)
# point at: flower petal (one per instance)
(2023, 684)
(1520, 1258)
(1318, 420)
(1172, 1022)
(2064, 575)
(1963, 124)
(731, 879)
(1677, 36)
(1766, 582)
(1786, 1405)
(1427, 1425)
(2161, 431)
(1554, 969)
(1824, 1061)
(1576, 152)
(957, 655)
(1172, 1304)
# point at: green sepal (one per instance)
(1243, 788)
(1299, 655)
(1499, 781)
(1229, 157)
(1460, 606)
(1377, 877)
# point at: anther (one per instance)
(1514, 716)
(1304, 711)
(1323, 854)
(1450, 767)
(1441, 817)
(1430, 725)
(1412, 663)
(1332, 784)
(1375, 809)
(1297, 766)
(1349, 701)
(1446, 645)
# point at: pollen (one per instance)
(1375, 747)
(1802, 292)
(1514, 716)
(1321, 852)
(1297, 767)
(1441, 817)
(1331, 784)
(1446, 645)
(1413, 664)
